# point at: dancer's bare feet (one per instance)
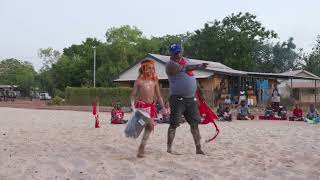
(140, 152)
(199, 151)
(173, 153)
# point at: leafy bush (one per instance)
(57, 101)
(59, 93)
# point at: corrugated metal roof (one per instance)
(131, 73)
(216, 67)
(301, 71)
(281, 76)
(166, 59)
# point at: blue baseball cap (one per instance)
(175, 48)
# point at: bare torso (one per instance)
(146, 89)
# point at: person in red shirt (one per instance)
(297, 114)
(117, 115)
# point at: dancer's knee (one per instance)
(173, 127)
(150, 126)
(194, 126)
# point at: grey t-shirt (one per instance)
(181, 83)
(243, 111)
(313, 114)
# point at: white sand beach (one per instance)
(56, 144)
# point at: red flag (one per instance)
(95, 112)
(207, 114)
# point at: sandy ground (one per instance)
(52, 144)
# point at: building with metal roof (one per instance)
(216, 74)
(302, 90)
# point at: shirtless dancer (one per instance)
(147, 86)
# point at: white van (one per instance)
(44, 95)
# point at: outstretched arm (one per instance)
(196, 66)
(175, 68)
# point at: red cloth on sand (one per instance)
(208, 115)
(144, 105)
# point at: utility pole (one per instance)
(94, 66)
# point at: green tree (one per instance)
(231, 41)
(312, 60)
(284, 56)
(17, 72)
(49, 56)
(165, 41)
(276, 58)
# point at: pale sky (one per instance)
(27, 25)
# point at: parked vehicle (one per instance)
(44, 95)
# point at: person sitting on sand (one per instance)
(243, 112)
(282, 112)
(220, 111)
(297, 114)
(313, 112)
(117, 114)
(227, 101)
(227, 116)
(269, 112)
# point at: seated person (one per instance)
(227, 116)
(227, 101)
(275, 106)
(282, 112)
(117, 115)
(166, 114)
(269, 112)
(243, 112)
(313, 113)
(297, 114)
(220, 111)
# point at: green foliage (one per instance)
(239, 41)
(59, 93)
(57, 101)
(276, 58)
(16, 72)
(45, 81)
(49, 56)
(230, 41)
(166, 40)
(105, 96)
(285, 57)
(312, 60)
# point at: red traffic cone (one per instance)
(97, 124)
(95, 112)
